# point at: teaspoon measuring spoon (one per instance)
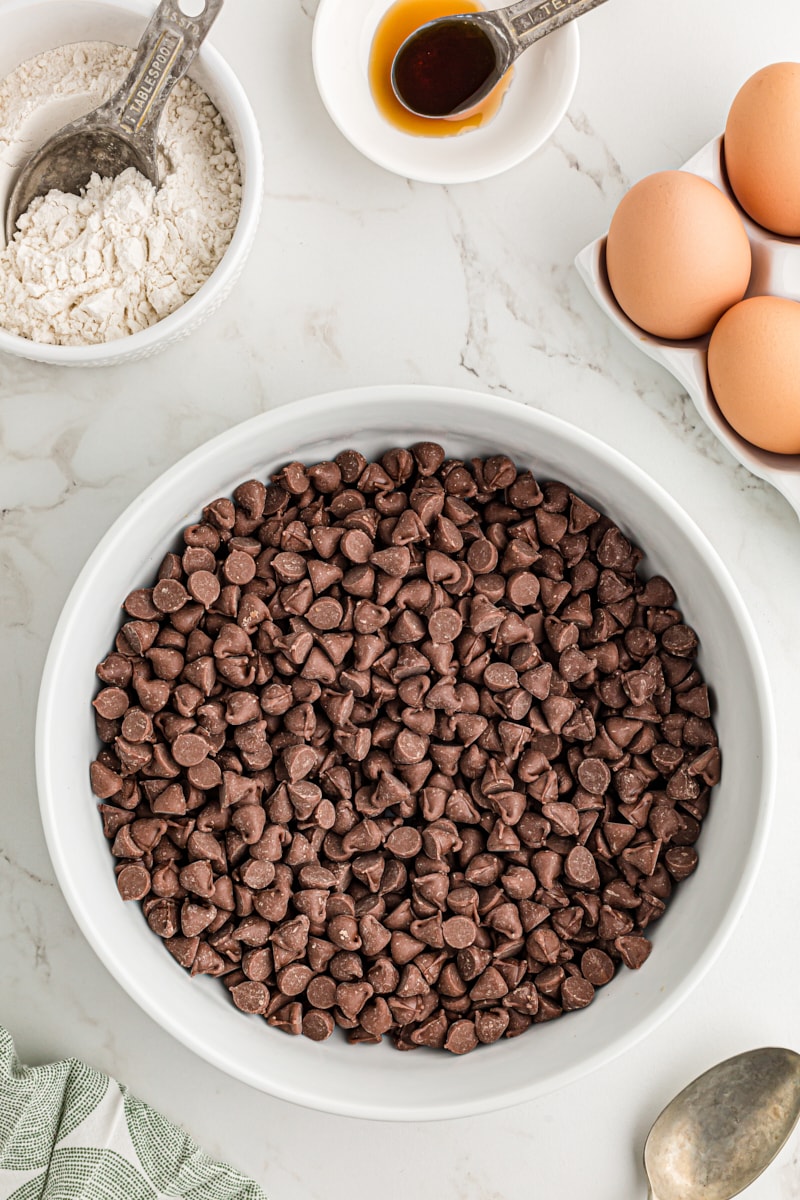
(717, 1136)
(450, 65)
(122, 132)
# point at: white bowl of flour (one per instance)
(123, 271)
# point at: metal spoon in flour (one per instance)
(122, 132)
(716, 1137)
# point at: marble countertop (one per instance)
(361, 277)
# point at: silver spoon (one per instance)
(122, 132)
(725, 1128)
(450, 65)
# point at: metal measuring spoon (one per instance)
(122, 132)
(450, 65)
(725, 1128)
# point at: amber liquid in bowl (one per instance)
(400, 21)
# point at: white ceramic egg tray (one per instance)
(776, 272)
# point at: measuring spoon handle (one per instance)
(529, 20)
(168, 48)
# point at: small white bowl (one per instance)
(32, 27)
(539, 95)
(776, 272)
(377, 1081)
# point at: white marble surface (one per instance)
(361, 277)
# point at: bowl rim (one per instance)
(376, 151)
(251, 161)
(302, 413)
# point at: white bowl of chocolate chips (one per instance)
(405, 752)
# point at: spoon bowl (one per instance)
(718, 1135)
(68, 160)
(122, 132)
(447, 67)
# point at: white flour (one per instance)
(92, 268)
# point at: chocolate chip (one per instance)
(428, 456)
(594, 775)
(490, 1024)
(169, 595)
(580, 868)
(680, 641)
(356, 545)
(111, 703)
(498, 472)
(681, 861)
(343, 932)
(576, 992)
(294, 979)
(445, 625)
(489, 986)
(633, 950)
(189, 749)
(133, 882)
(459, 932)
(500, 676)
(597, 967)
(325, 613)
(405, 842)
(318, 1025)
(461, 1037)
(482, 556)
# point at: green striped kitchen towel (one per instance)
(68, 1132)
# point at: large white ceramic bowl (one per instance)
(377, 1081)
(31, 27)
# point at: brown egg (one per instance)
(762, 148)
(754, 371)
(677, 255)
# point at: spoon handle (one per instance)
(168, 47)
(529, 20)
